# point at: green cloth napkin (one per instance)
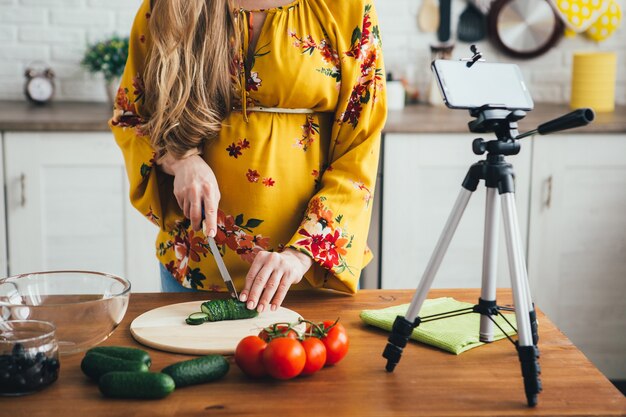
(455, 334)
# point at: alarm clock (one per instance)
(39, 86)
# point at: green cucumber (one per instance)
(149, 385)
(198, 371)
(122, 352)
(229, 309)
(197, 318)
(95, 365)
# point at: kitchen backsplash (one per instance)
(58, 31)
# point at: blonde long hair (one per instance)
(188, 73)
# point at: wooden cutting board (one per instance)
(164, 328)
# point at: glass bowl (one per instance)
(29, 356)
(85, 306)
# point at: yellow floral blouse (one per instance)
(287, 180)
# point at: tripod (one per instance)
(499, 180)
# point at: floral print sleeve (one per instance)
(334, 229)
(139, 156)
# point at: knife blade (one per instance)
(222, 267)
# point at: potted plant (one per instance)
(108, 57)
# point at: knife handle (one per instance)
(443, 33)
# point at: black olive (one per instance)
(20, 380)
(18, 349)
(23, 372)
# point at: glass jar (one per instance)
(29, 356)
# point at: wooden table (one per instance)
(485, 381)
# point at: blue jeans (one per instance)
(169, 283)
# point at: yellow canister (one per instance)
(593, 81)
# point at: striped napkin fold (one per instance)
(454, 334)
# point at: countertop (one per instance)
(93, 117)
(484, 381)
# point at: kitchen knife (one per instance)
(222, 267)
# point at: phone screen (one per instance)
(482, 84)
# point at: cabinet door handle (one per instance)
(23, 190)
(548, 201)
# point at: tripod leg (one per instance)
(531, 306)
(403, 326)
(527, 351)
(440, 250)
(490, 264)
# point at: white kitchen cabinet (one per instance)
(577, 250)
(3, 232)
(422, 179)
(68, 208)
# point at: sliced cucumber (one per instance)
(197, 318)
(229, 309)
(197, 371)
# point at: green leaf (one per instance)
(239, 220)
(195, 278)
(145, 170)
(339, 218)
(366, 97)
(356, 35)
(376, 33)
(253, 223)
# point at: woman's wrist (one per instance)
(169, 164)
(304, 259)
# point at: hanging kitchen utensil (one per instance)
(472, 25)
(579, 15)
(443, 32)
(524, 28)
(482, 5)
(428, 16)
(606, 24)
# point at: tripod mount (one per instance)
(499, 179)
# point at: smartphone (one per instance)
(495, 84)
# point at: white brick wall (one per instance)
(58, 31)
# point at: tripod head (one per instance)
(503, 122)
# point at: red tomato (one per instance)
(284, 358)
(277, 330)
(315, 355)
(249, 356)
(336, 341)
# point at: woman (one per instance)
(266, 122)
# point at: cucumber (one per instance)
(197, 318)
(122, 352)
(136, 385)
(198, 371)
(95, 365)
(230, 309)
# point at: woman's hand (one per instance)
(195, 187)
(270, 277)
